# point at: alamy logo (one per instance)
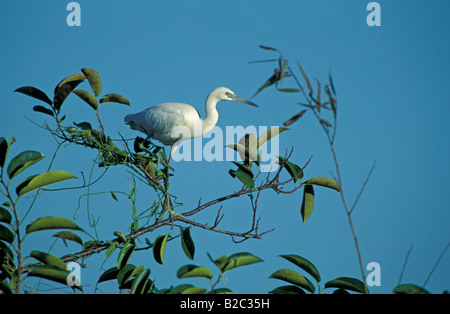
(74, 277)
(374, 277)
(374, 17)
(74, 17)
(263, 149)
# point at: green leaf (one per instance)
(283, 68)
(293, 277)
(245, 168)
(267, 48)
(295, 171)
(240, 259)
(6, 234)
(272, 80)
(409, 289)
(332, 101)
(141, 284)
(221, 291)
(110, 250)
(325, 182)
(84, 126)
(121, 236)
(39, 181)
(72, 78)
(87, 97)
(304, 264)
(180, 288)
(51, 223)
(22, 161)
(268, 135)
(325, 122)
(113, 195)
(341, 292)
(65, 87)
(5, 287)
(305, 77)
(35, 93)
(346, 283)
(124, 255)
(188, 271)
(294, 118)
(194, 290)
(249, 142)
(245, 153)
(184, 289)
(5, 215)
(115, 98)
(6, 257)
(4, 148)
(307, 202)
(220, 262)
(42, 109)
(94, 80)
(48, 259)
(331, 82)
(69, 236)
(288, 289)
(137, 271)
(52, 273)
(187, 243)
(289, 90)
(109, 274)
(244, 178)
(126, 272)
(159, 247)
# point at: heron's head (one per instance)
(223, 93)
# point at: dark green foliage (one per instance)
(50, 267)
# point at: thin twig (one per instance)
(182, 217)
(404, 264)
(219, 217)
(362, 188)
(435, 265)
(331, 136)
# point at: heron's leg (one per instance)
(148, 139)
(173, 150)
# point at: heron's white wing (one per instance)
(159, 121)
(162, 119)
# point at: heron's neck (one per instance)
(212, 116)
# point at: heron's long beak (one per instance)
(245, 101)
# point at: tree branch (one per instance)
(169, 221)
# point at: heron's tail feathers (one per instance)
(128, 119)
(135, 123)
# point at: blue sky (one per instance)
(392, 85)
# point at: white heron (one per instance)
(160, 122)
